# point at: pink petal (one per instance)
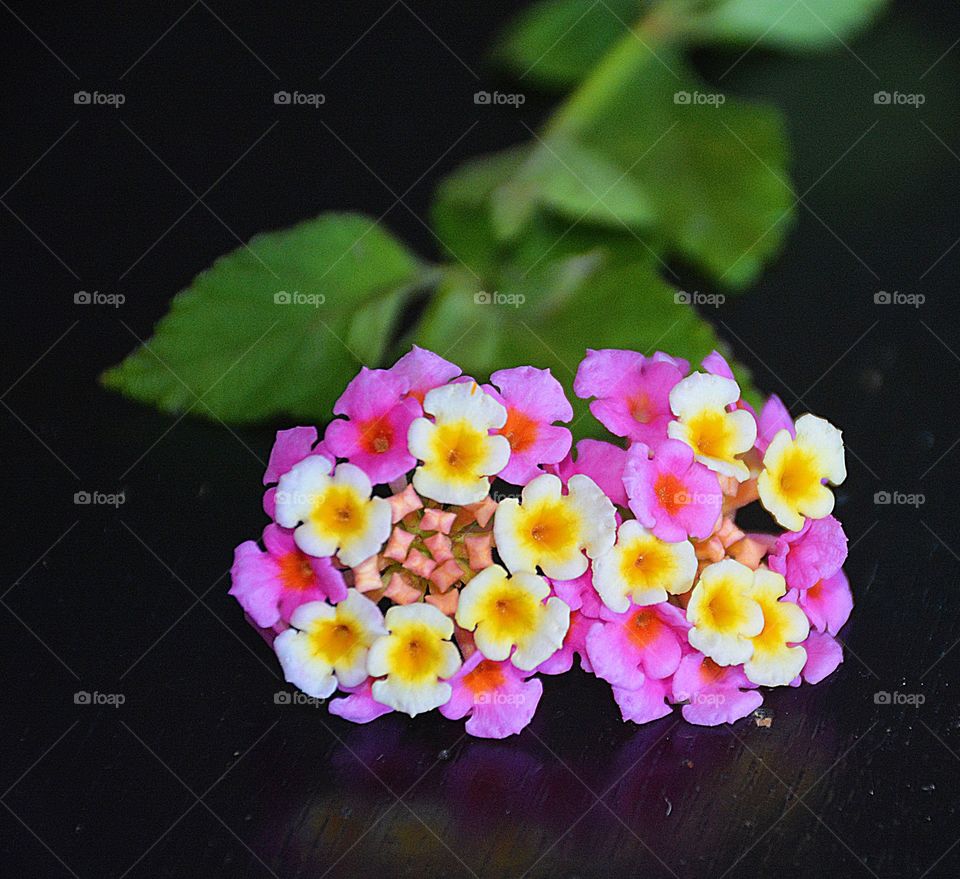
(290, 448)
(645, 703)
(824, 654)
(359, 706)
(774, 417)
(423, 371)
(603, 462)
(815, 552)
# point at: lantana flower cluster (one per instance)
(443, 546)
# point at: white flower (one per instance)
(456, 448)
(332, 514)
(550, 530)
(328, 644)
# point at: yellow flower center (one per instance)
(459, 450)
(645, 562)
(334, 640)
(722, 611)
(508, 612)
(415, 654)
(799, 476)
(341, 512)
(710, 434)
(550, 528)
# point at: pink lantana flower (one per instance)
(714, 693)
(289, 449)
(534, 399)
(374, 435)
(644, 642)
(632, 392)
(423, 371)
(603, 462)
(815, 552)
(646, 702)
(497, 696)
(359, 705)
(271, 585)
(672, 494)
(827, 603)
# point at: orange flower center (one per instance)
(485, 677)
(376, 436)
(671, 493)
(643, 627)
(520, 430)
(295, 571)
(642, 409)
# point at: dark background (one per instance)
(199, 772)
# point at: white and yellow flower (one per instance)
(550, 530)
(332, 513)
(456, 448)
(716, 436)
(791, 482)
(642, 568)
(724, 613)
(413, 659)
(774, 663)
(329, 644)
(510, 612)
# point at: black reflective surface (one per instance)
(199, 772)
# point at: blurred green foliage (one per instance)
(549, 248)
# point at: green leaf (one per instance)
(278, 326)
(808, 25)
(574, 180)
(713, 169)
(554, 43)
(590, 300)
